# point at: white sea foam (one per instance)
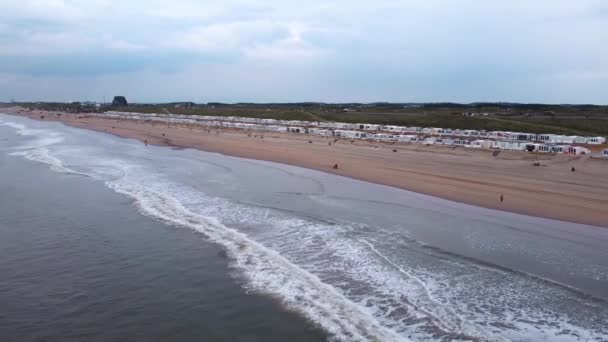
(41, 154)
(36, 148)
(43, 137)
(267, 271)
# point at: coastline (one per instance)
(463, 175)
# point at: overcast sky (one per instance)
(552, 51)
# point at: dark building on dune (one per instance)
(119, 101)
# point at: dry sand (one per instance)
(475, 177)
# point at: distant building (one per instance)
(119, 101)
(577, 150)
(183, 105)
(596, 140)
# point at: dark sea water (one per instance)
(77, 263)
(103, 238)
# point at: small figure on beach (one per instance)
(502, 198)
(336, 167)
(146, 142)
(573, 169)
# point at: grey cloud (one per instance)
(412, 50)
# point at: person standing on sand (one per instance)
(502, 198)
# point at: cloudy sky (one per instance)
(553, 51)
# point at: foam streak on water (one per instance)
(357, 281)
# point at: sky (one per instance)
(541, 51)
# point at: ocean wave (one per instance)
(267, 271)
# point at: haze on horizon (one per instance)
(545, 51)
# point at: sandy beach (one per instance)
(474, 177)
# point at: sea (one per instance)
(106, 239)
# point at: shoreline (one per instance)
(463, 175)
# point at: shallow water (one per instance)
(357, 260)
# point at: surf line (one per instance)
(426, 290)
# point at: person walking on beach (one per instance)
(502, 198)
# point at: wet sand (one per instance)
(475, 177)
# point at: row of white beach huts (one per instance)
(515, 141)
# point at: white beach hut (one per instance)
(596, 140)
(407, 138)
(526, 137)
(295, 129)
(487, 144)
(369, 127)
(275, 128)
(403, 138)
(510, 145)
(477, 143)
(577, 150)
(457, 132)
(500, 144)
(436, 131)
(462, 142)
(543, 148)
(394, 129)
